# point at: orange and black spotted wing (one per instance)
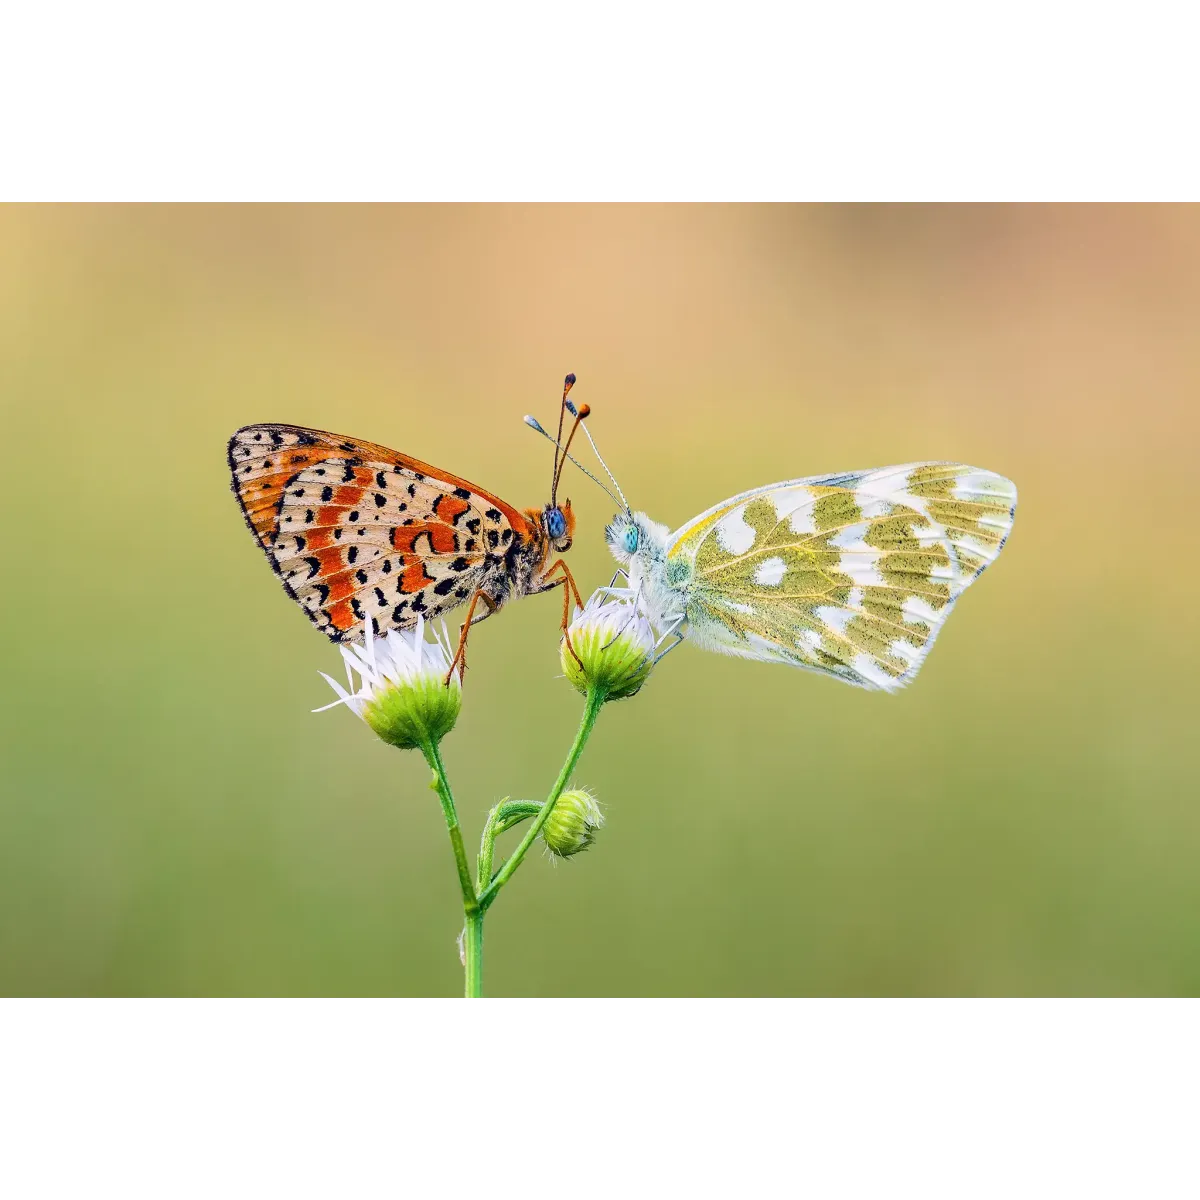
(355, 530)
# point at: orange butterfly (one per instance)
(355, 530)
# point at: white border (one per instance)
(649, 101)
(596, 1098)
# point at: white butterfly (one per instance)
(850, 575)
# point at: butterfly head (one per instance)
(558, 522)
(623, 537)
(633, 537)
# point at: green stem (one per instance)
(473, 952)
(512, 812)
(434, 758)
(595, 701)
(473, 933)
(473, 942)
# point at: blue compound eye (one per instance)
(631, 539)
(556, 523)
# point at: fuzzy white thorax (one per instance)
(646, 567)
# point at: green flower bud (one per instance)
(572, 824)
(411, 715)
(401, 695)
(613, 645)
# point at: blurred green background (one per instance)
(1024, 819)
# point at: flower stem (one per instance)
(591, 710)
(473, 953)
(470, 901)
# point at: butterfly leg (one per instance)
(612, 589)
(633, 611)
(672, 629)
(568, 579)
(678, 641)
(460, 655)
(569, 588)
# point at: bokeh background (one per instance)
(1025, 819)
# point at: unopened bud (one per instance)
(572, 825)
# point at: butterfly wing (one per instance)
(851, 575)
(354, 529)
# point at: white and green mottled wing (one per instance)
(851, 575)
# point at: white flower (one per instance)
(613, 644)
(402, 691)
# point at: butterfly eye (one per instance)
(556, 523)
(631, 539)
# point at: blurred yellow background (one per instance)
(1023, 819)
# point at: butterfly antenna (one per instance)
(596, 452)
(568, 384)
(534, 423)
(579, 415)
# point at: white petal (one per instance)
(344, 697)
(369, 640)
